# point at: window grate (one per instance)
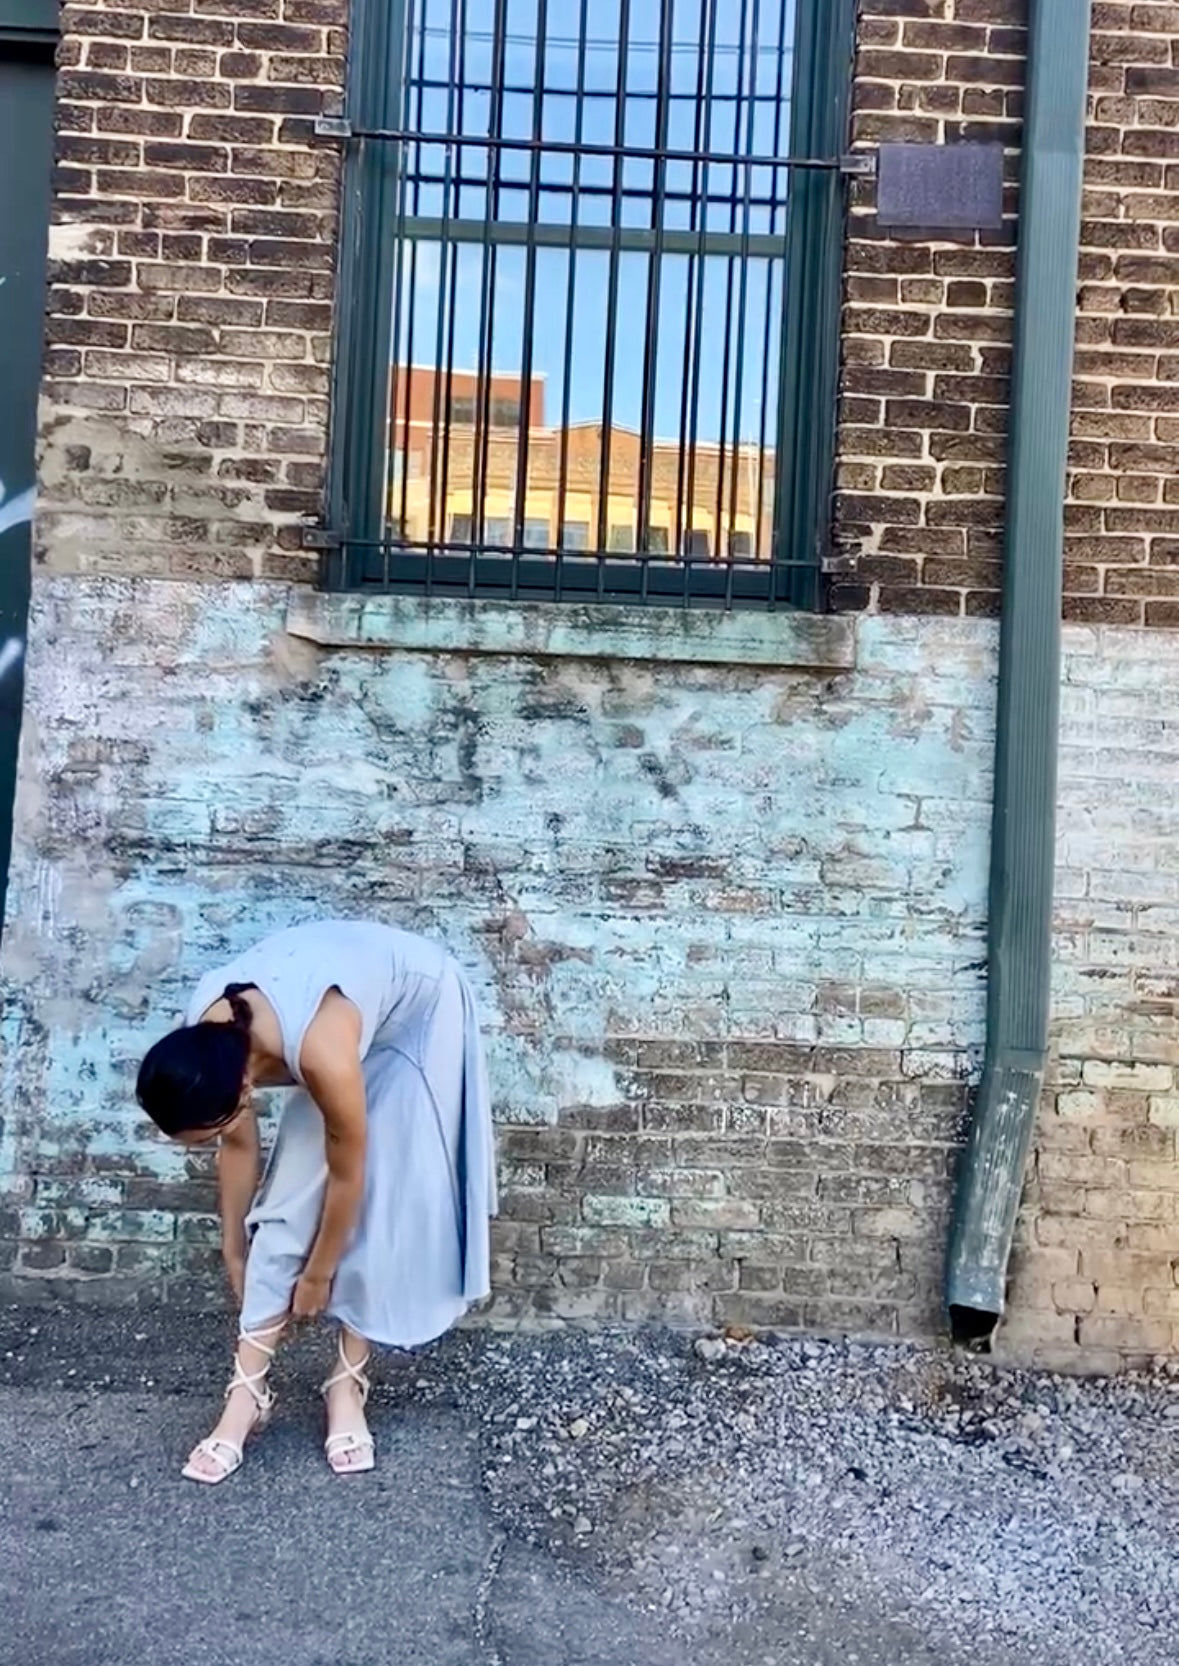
(589, 228)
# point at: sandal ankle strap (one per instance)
(254, 1337)
(350, 1372)
(254, 1382)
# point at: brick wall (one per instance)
(927, 325)
(1123, 513)
(185, 410)
(725, 924)
(918, 516)
(1099, 1241)
(1098, 1256)
(1099, 1248)
(919, 509)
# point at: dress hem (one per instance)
(401, 1342)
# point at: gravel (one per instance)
(1032, 1514)
(1004, 1517)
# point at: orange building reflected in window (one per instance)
(476, 464)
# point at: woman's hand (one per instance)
(311, 1296)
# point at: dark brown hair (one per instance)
(191, 1081)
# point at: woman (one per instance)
(375, 1202)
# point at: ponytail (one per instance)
(243, 1017)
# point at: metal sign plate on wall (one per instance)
(956, 187)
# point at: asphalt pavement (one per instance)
(109, 1558)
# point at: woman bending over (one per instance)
(375, 1203)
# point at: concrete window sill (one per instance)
(419, 624)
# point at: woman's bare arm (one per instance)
(332, 1070)
(237, 1180)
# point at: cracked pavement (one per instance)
(108, 1558)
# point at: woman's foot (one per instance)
(349, 1446)
(248, 1404)
(236, 1423)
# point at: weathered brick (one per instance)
(1138, 1078)
(169, 127)
(626, 1211)
(805, 1181)
(1130, 146)
(768, 1311)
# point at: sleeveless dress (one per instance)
(419, 1255)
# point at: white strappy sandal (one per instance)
(227, 1454)
(335, 1446)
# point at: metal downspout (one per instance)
(1024, 820)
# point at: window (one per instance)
(536, 535)
(505, 413)
(599, 281)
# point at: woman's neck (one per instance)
(266, 1069)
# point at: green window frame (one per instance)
(368, 547)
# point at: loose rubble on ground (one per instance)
(1008, 1516)
(1039, 1512)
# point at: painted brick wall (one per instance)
(1098, 1261)
(184, 412)
(726, 925)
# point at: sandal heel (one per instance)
(347, 1441)
(227, 1454)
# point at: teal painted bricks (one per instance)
(724, 919)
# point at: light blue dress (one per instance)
(420, 1255)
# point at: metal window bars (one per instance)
(590, 235)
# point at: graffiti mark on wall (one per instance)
(15, 511)
(10, 655)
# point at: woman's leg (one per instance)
(247, 1394)
(291, 1192)
(350, 1445)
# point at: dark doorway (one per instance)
(28, 40)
